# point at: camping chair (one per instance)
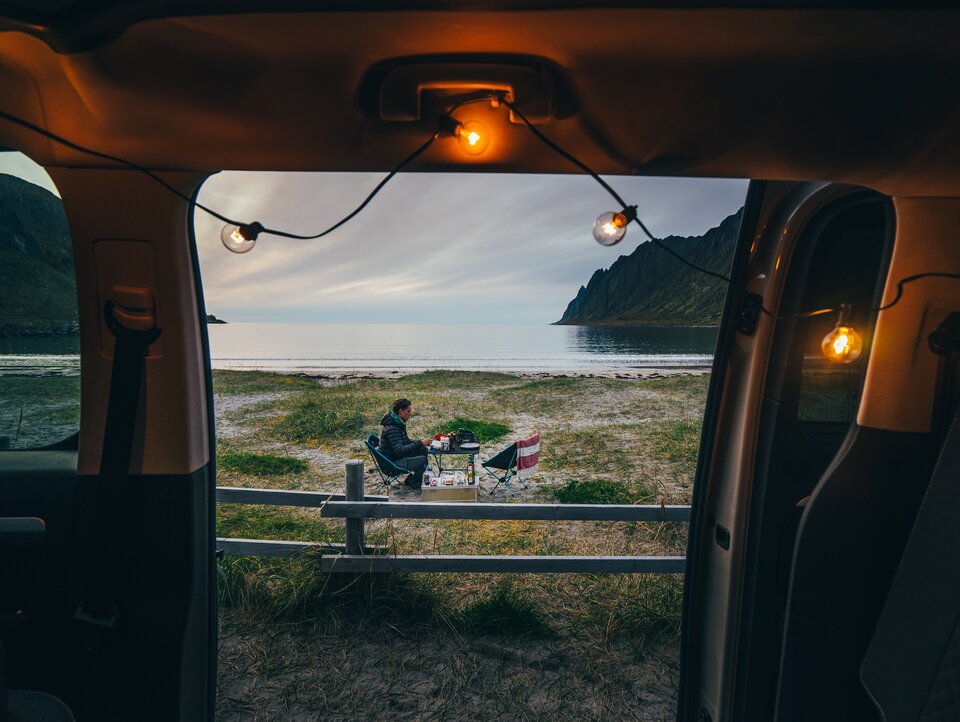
(517, 459)
(386, 469)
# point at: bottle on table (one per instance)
(471, 476)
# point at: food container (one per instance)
(460, 479)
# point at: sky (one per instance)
(469, 248)
(430, 248)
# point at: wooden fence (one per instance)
(355, 556)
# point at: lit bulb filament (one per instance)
(238, 236)
(610, 228)
(473, 137)
(841, 345)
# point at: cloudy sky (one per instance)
(430, 247)
(498, 248)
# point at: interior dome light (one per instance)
(473, 137)
(610, 228)
(843, 344)
(240, 238)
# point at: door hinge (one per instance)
(748, 314)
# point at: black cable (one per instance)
(113, 159)
(910, 279)
(386, 179)
(193, 203)
(623, 204)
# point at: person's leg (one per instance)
(416, 465)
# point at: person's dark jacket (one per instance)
(394, 441)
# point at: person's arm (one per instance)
(413, 447)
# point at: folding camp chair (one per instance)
(386, 469)
(517, 459)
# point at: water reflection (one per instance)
(642, 340)
(46, 344)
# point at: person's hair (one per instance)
(400, 404)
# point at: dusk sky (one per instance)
(484, 248)
(431, 247)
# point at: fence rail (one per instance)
(354, 556)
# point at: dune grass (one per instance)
(591, 635)
(240, 462)
(485, 431)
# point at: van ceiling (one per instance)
(862, 96)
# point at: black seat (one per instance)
(912, 666)
(18, 705)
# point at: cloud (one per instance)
(506, 247)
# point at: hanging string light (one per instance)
(845, 343)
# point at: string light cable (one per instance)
(244, 231)
(614, 226)
(629, 212)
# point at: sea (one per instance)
(319, 348)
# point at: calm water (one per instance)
(341, 347)
(518, 347)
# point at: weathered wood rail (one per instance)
(355, 557)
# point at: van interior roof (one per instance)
(847, 95)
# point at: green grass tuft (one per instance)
(319, 419)
(507, 612)
(600, 491)
(485, 431)
(259, 464)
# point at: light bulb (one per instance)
(610, 228)
(843, 344)
(240, 238)
(473, 137)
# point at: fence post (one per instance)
(354, 492)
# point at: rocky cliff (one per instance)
(38, 292)
(652, 288)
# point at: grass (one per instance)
(485, 431)
(318, 419)
(507, 612)
(38, 410)
(422, 640)
(600, 491)
(259, 464)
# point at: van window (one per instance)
(844, 269)
(39, 342)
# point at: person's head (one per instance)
(403, 408)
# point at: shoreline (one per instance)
(336, 375)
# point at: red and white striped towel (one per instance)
(528, 453)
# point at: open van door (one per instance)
(107, 534)
(811, 473)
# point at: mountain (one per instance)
(38, 292)
(652, 288)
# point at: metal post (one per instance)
(354, 492)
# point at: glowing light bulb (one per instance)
(610, 228)
(240, 238)
(473, 137)
(843, 344)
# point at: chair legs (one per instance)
(505, 480)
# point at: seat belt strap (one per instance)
(98, 604)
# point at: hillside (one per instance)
(38, 291)
(651, 288)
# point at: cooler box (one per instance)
(449, 493)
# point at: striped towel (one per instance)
(528, 453)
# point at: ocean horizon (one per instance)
(342, 347)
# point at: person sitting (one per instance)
(397, 446)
